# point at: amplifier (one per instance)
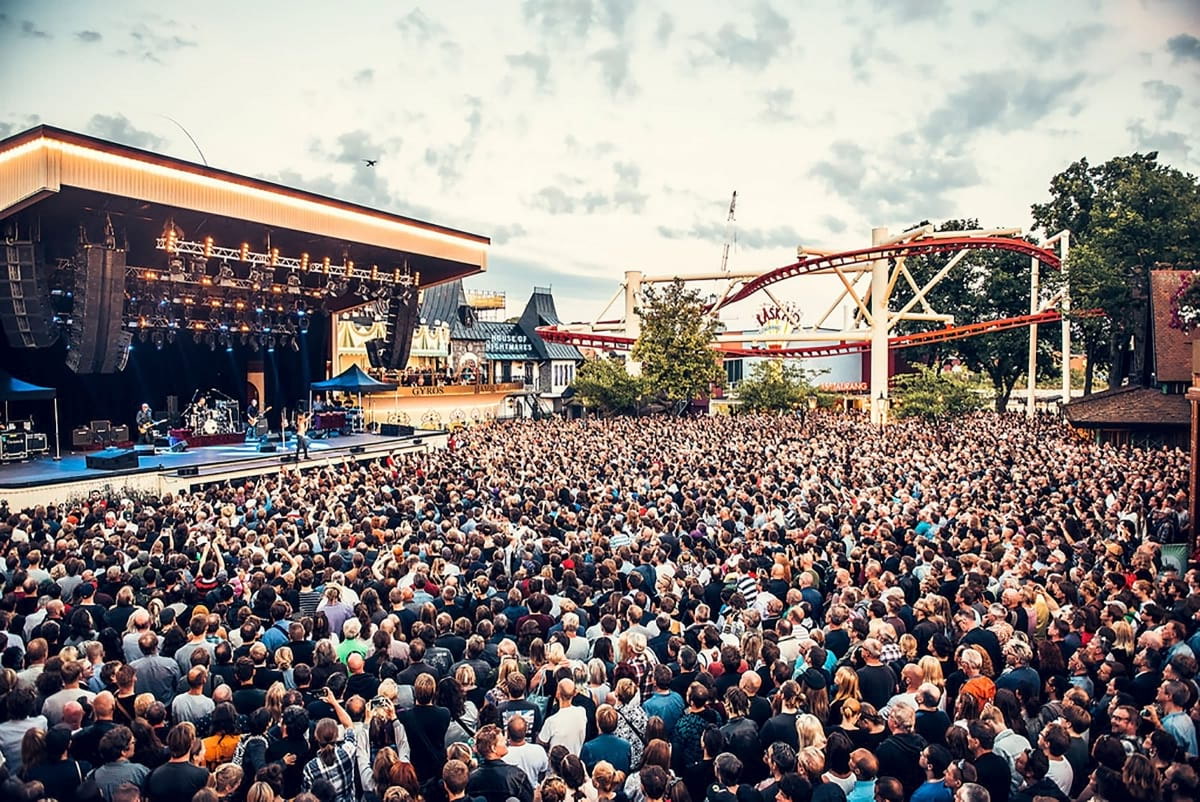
(37, 443)
(13, 445)
(82, 437)
(120, 434)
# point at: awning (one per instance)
(352, 380)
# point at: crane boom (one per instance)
(728, 233)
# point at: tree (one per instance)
(675, 347)
(1124, 216)
(605, 383)
(932, 394)
(985, 285)
(775, 386)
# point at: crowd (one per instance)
(750, 609)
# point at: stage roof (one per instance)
(57, 179)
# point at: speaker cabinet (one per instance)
(113, 459)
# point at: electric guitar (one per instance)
(254, 419)
(148, 425)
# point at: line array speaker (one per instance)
(403, 314)
(97, 342)
(25, 311)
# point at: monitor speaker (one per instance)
(25, 311)
(113, 459)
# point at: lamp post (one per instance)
(883, 409)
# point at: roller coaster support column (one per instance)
(1031, 404)
(1064, 252)
(879, 333)
(633, 323)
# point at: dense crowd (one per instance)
(755, 609)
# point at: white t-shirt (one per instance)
(567, 727)
(1062, 774)
(529, 758)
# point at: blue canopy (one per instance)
(352, 380)
(12, 389)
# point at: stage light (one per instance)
(271, 344)
(226, 276)
(293, 283)
(304, 261)
(158, 340)
(274, 256)
(172, 237)
(210, 340)
(245, 252)
(143, 334)
(171, 337)
(208, 246)
(304, 324)
(254, 345)
(325, 264)
(197, 337)
(296, 345)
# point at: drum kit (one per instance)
(222, 417)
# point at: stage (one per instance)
(46, 481)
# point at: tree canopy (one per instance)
(932, 393)
(1125, 216)
(675, 346)
(606, 384)
(775, 386)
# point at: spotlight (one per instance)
(158, 340)
(175, 269)
(293, 283)
(225, 277)
(245, 252)
(208, 246)
(303, 324)
(171, 337)
(271, 344)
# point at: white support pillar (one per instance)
(1030, 407)
(1064, 251)
(633, 323)
(880, 329)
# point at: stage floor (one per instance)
(211, 463)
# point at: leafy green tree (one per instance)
(931, 394)
(606, 384)
(985, 285)
(1124, 216)
(675, 346)
(775, 386)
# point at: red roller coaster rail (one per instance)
(818, 264)
(614, 342)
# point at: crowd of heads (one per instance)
(746, 609)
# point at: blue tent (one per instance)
(13, 389)
(352, 380)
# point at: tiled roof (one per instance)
(1172, 348)
(1130, 406)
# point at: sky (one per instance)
(591, 137)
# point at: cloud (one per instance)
(664, 28)
(907, 178)
(88, 37)
(452, 157)
(417, 25)
(778, 105)
(31, 31)
(834, 224)
(1168, 95)
(866, 50)
(1068, 45)
(575, 19)
(506, 233)
(781, 236)
(1173, 144)
(614, 66)
(625, 195)
(117, 128)
(537, 63)
(364, 76)
(352, 147)
(999, 101)
(772, 35)
(1184, 47)
(151, 45)
(908, 11)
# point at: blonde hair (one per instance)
(933, 671)
(847, 684)
(809, 731)
(1123, 636)
(274, 701)
(606, 778)
(283, 658)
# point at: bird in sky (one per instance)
(370, 162)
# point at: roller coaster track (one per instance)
(821, 264)
(614, 342)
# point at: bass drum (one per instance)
(210, 426)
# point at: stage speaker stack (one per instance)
(403, 315)
(98, 344)
(25, 311)
(113, 459)
(377, 353)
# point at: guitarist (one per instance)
(254, 417)
(145, 425)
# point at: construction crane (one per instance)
(730, 234)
